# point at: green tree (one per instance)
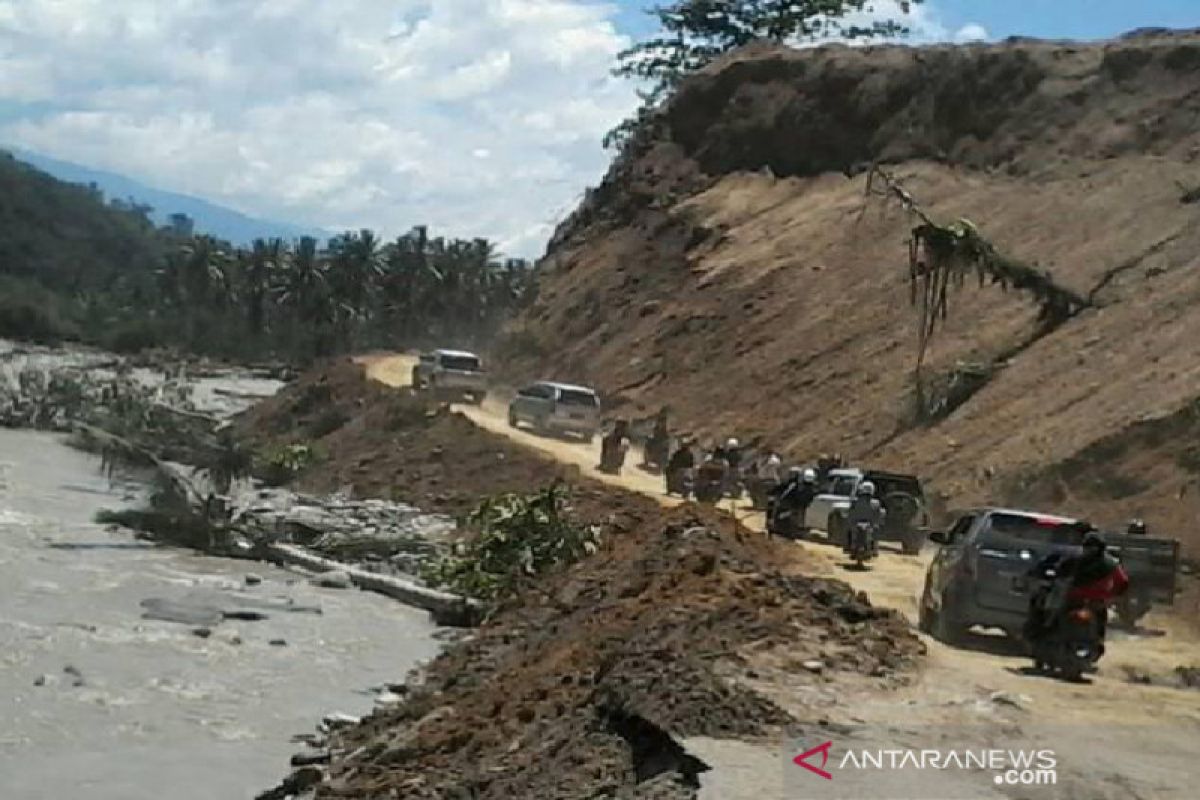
(695, 32)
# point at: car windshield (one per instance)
(1034, 530)
(575, 397)
(461, 363)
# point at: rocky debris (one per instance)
(278, 643)
(202, 633)
(253, 579)
(310, 758)
(333, 580)
(585, 686)
(205, 608)
(75, 675)
(338, 720)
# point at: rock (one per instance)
(814, 666)
(338, 720)
(1008, 699)
(253, 580)
(278, 643)
(310, 758)
(43, 680)
(387, 699)
(203, 633)
(235, 640)
(333, 580)
(246, 616)
(305, 778)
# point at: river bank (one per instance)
(100, 702)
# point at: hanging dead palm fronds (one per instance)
(942, 256)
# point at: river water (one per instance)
(100, 703)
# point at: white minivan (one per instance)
(557, 408)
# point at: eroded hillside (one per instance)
(733, 268)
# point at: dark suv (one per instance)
(980, 574)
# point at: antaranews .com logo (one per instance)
(825, 770)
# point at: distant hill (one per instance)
(210, 218)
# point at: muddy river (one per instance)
(99, 702)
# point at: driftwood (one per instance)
(446, 608)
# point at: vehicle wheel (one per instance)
(924, 614)
(910, 545)
(944, 628)
(835, 529)
(512, 419)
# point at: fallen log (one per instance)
(446, 608)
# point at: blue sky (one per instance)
(476, 117)
(1051, 19)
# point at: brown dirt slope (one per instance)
(582, 688)
(728, 268)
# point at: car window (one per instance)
(461, 363)
(960, 528)
(529, 391)
(575, 397)
(427, 359)
(1015, 530)
(842, 486)
(888, 484)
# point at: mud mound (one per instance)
(733, 270)
(580, 688)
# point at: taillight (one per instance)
(1080, 616)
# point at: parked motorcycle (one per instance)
(861, 543)
(1066, 638)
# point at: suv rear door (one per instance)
(1006, 547)
(838, 487)
(578, 406)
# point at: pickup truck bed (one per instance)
(1152, 564)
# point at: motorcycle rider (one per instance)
(614, 446)
(659, 442)
(795, 495)
(682, 459)
(864, 509)
(1096, 579)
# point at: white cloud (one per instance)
(478, 117)
(973, 32)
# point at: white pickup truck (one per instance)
(451, 372)
(902, 497)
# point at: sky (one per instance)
(476, 117)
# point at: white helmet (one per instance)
(732, 443)
(810, 475)
(866, 488)
(774, 460)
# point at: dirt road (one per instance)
(977, 688)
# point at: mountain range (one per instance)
(211, 218)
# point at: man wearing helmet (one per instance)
(865, 509)
(791, 501)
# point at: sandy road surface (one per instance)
(1138, 741)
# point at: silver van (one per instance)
(557, 408)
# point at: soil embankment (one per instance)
(734, 270)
